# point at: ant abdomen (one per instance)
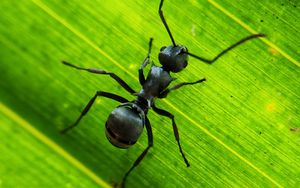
(124, 126)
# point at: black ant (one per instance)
(126, 122)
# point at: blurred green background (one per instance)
(238, 129)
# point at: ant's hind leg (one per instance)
(168, 90)
(89, 105)
(145, 63)
(98, 71)
(141, 157)
(176, 133)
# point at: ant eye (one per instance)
(162, 48)
(185, 64)
(183, 51)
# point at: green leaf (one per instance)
(238, 129)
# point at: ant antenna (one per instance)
(164, 22)
(227, 49)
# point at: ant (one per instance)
(126, 122)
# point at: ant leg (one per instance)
(164, 93)
(227, 49)
(98, 71)
(176, 134)
(145, 63)
(89, 105)
(140, 158)
(160, 12)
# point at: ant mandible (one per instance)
(125, 123)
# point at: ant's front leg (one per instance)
(145, 63)
(165, 93)
(98, 71)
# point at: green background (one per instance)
(238, 129)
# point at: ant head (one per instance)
(125, 125)
(173, 58)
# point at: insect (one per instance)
(126, 122)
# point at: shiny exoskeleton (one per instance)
(126, 122)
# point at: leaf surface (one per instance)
(239, 128)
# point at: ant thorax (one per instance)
(157, 80)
